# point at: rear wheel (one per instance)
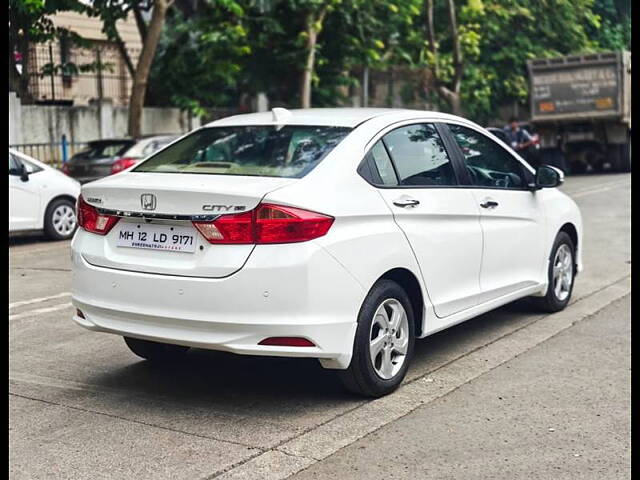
(155, 351)
(561, 274)
(60, 219)
(383, 344)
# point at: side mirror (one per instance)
(548, 177)
(24, 173)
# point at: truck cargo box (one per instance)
(581, 87)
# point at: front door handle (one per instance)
(406, 202)
(489, 204)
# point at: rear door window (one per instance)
(419, 156)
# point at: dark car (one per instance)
(97, 159)
(141, 150)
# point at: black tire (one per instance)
(550, 303)
(50, 229)
(624, 159)
(155, 351)
(361, 377)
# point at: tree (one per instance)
(139, 87)
(315, 12)
(211, 44)
(614, 32)
(448, 89)
(110, 11)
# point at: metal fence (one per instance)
(101, 72)
(49, 153)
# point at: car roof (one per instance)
(28, 158)
(337, 117)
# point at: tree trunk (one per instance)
(451, 93)
(452, 98)
(139, 88)
(307, 73)
(454, 101)
(313, 26)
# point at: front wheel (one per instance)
(383, 344)
(561, 274)
(155, 351)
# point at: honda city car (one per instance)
(337, 234)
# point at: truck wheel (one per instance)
(624, 158)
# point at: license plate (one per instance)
(157, 237)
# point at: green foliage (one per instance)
(224, 51)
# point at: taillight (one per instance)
(122, 164)
(65, 168)
(92, 221)
(266, 224)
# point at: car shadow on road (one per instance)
(238, 382)
(18, 239)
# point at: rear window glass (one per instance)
(268, 151)
(101, 150)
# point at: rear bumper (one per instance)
(296, 290)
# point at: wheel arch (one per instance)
(571, 230)
(411, 285)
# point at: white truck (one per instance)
(581, 109)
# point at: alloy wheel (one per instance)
(389, 338)
(563, 272)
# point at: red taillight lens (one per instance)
(65, 168)
(236, 229)
(92, 221)
(266, 224)
(278, 224)
(287, 342)
(122, 164)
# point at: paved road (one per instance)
(82, 406)
(516, 421)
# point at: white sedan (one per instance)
(336, 234)
(41, 198)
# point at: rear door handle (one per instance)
(406, 202)
(489, 204)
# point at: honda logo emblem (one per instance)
(148, 201)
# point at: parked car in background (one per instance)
(140, 150)
(41, 198)
(97, 159)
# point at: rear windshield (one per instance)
(268, 151)
(101, 150)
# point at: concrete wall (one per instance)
(47, 124)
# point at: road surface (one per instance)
(83, 406)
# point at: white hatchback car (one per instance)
(41, 198)
(336, 234)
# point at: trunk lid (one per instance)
(167, 200)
